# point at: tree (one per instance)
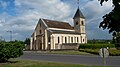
(111, 21)
(10, 50)
(116, 40)
(27, 43)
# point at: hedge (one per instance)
(92, 51)
(112, 52)
(95, 46)
(10, 50)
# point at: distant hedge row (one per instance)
(95, 46)
(112, 52)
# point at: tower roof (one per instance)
(78, 14)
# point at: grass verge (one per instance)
(29, 63)
(69, 52)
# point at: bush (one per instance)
(92, 51)
(95, 46)
(117, 46)
(10, 50)
(112, 52)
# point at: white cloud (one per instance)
(28, 13)
(47, 8)
(94, 12)
(93, 9)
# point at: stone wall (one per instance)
(74, 46)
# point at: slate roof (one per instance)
(57, 24)
(78, 14)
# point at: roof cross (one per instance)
(78, 2)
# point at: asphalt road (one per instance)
(74, 59)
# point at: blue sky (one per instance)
(21, 17)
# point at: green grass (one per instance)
(29, 63)
(72, 52)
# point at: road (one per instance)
(74, 59)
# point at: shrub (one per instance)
(10, 50)
(95, 46)
(112, 52)
(92, 51)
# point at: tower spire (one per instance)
(78, 13)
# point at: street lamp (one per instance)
(10, 35)
(1, 38)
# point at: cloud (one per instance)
(93, 12)
(93, 9)
(3, 4)
(50, 8)
(28, 13)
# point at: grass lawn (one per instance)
(29, 63)
(72, 52)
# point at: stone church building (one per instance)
(52, 34)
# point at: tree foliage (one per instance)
(27, 41)
(111, 21)
(116, 40)
(10, 50)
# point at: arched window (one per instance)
(49, 39)
(65, 39)
(40, 31)
(77, 39)
(71, 39)
(81, 39)
(82, 23)
(77, 23)
(58, 40)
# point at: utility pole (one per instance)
(1, 38)
(10, 35)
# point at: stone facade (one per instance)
(51, 34)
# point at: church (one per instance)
(53, 34)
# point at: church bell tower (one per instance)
(79, 22)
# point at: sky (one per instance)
(21, 16)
